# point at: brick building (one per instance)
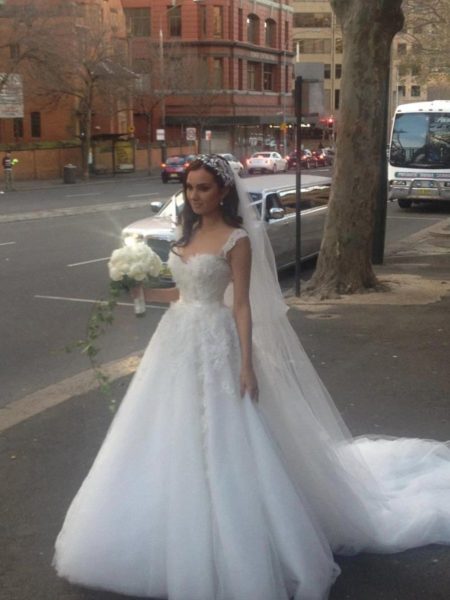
(46, 22)
(231, 66)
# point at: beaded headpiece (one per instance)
(220, 167)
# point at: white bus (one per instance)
(419, 153)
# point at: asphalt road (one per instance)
(54, 269)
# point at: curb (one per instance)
(71, 211)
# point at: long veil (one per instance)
(362, 499)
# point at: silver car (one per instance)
(274, 200)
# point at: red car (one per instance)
(175, 166)
(308, 161)
(322, 158)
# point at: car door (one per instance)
(278, 230)
(313, 217)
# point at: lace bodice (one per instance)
(203, 278)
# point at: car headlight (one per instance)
(399, 182)
(131, 238)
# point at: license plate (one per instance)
(173, 175)
(425, 191)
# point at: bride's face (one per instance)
(203, 193)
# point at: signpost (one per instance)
(191, 134)
(11, 96)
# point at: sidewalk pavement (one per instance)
(383, 356)
(45, 184)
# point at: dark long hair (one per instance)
(189, 220)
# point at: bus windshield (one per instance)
(421, 140)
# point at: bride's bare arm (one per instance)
(158, 294)
(240, 260)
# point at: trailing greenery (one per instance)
(100, 318)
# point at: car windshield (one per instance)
(173, 207)
(176, 160)
(421, 140)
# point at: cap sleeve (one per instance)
(236, 235)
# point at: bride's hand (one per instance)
(249, 383)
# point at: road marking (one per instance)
(414, 218)
(6, 243)
(20, 410)
(88, 262)
(86, 194)
(89, 301)
(142, 195)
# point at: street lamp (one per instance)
(161, 72)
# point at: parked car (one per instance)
(274, 200)
(308, 161)
(322, 158)
(266, 161)
(175, 166)
(234, 163)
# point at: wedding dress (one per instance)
(199, 494)
(188, 498)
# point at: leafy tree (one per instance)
(344, 265)
(427, 33)
(23, 29)
(159, 72)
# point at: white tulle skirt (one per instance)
(199, 494)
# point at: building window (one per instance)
(286, 79)
(269, 78)
(240, 24)
(138, 21)
(202, 20)
(401, 49)
(218, 21)
(402, 71)
(218, 73)
(253, 76)
(35, 119)
(415, 91)
(253, 29)
(18, 128)
(286, 35)
(327, 100)
(339, 47)
(327, 71)
(401, 91)
(240, 74)
(415, 71)
(270, 30)
(315, 46)
(337, 98)
(174, 20)
(337, 71)
(312, 19)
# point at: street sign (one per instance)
(11, 96)
(191, 134)
(160, 135)
(208, 135)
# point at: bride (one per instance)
(227, 473)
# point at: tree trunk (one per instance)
(344, 264)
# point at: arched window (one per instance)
(253, 29)
(270, 33)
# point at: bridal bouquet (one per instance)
(135, 265)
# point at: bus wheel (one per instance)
(403, 203)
